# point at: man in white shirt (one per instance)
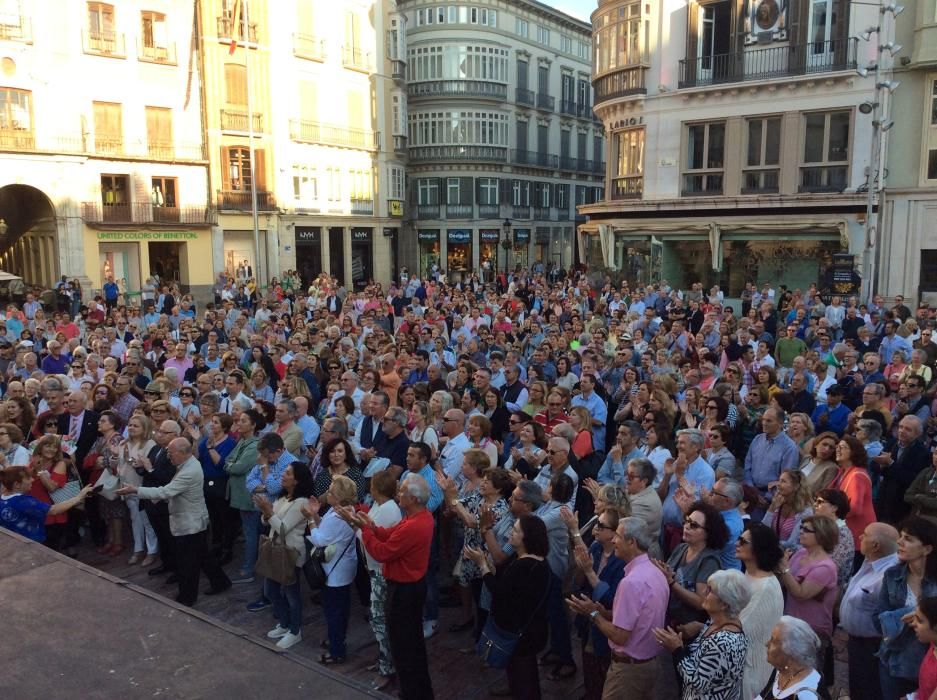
(349, 382)
(306, 422)
(558, 463)
(450, 457)
(878, 544)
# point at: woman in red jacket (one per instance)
(852, 478)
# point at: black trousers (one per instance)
(225, 520)
(524, 677)
(864, 667)
(192, 556)
(158, 515)
(404, 611)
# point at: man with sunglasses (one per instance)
(725, 497)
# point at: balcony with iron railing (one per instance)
(98, 43)
(398, 69)
(357, 59)
(227, 31)
(307, 46)
(427, 211)
(169, 151)
(598, 167)
(562, 213)
(702, 184)
(157, 54)
(773, 62)
(569, 107)
(489, 211)
(520, 212)
(362, 207)
(113, 147)
(458, 88)
(535, 158)
(400, 144)
(625, 82)
(823, 178)
(332, 135)
(459, 211)
(109, 145)
(236, 120)
(546, 102)
(542, 213)
(522, 96)
(16, 28)
(146, 213)
(629, 187)
(761, 181)
(458, 152)
(240, 200)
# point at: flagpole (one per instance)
(250, 142)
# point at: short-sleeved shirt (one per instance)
(24, 515)
(640, 606)
(818, 611)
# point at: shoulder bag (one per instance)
(314, 568)
(275, 560)
(496, 646)
(70, 489)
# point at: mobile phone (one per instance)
(98, 488)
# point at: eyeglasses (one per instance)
(450, 420)
(632, 477)
(152, 393)
(819, 501)
(187, 395)
(693, 525)
(600, 526)
(718, 493)
(553, 404)
(711, 407)
(514, 422)
(555, 452)
(809, 530)
(741, 540)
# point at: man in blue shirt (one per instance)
(597, 408)
(834, 415)
(770, 453)
(111, 292)
(726, 497)
(623, 451)
(892, 342)
(690, 465)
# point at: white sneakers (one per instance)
(289, 639)
(277, 632)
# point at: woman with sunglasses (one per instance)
(692, 563)
(189, 411)
(760, 553)
(834, 504)
(810, 578)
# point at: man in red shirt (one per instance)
(404, 551)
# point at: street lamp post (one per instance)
(506, 227)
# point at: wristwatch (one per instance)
(594, 614)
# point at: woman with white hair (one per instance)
(792, 650)
(710, 657)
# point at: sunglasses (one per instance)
(742, 541)
(808, 530)
(187, 395)
(600, 526)
(712, 407)
(693, 525)
(555, 452)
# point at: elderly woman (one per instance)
(800, 430)
(911, 580)
(711, 663)
(240, 461)
(810, 576)
(791, 503)
(792, 651)
(107, 449)
(478, 430)
(723, 462)
(341, 568)
(439, 403)
(12, 452)
(760, 553)
(287, 516)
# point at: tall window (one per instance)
(543, 35)
(618, 38)
(115, 191)
(154, 39)
(520, 27)
(427, 191)
(305, 186)
(826, 152)
(705, 158)
(396, 182)
(933, 104)
(163, 192)
(239, 169)
(235, 84)
(16, 124)
(108, 128)
(101, 35)
(453, 186)
(763, 155)
(159, 132)
(488, 190)
(629, 182)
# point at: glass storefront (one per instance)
(458, 253)
(308, 252)
(521, 248)
(429, 250)
(362, 257)
(488, 250)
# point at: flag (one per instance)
(235, 26)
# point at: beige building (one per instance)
(102, 166)
(315, 76)
(735, 145)
(907, 256)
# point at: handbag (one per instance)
(109, 484)
(69, 490)
(314, 568)
(496, 646)
(275, 560)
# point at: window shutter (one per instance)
(235, 84)
(440, 192)
(838, 31)
(505, 187)
(308, 107)
(478, 191)
(692, 39)
(259, 170)
(225, 169)
(798, 26)
(465, 190)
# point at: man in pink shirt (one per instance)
(182, 361)
(640, 605)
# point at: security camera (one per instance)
(867, 107)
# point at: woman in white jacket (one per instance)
(341, 567)
(286, 516)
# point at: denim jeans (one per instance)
(560, 642)
(431, 607)
(287, 602)
(337, 604)
(250, 523)
(894, 688)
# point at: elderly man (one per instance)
(457, 442)
(306, 423)
(558, 463)
(726, 496)
(554, 413)
(373, 407)
(55, 362)
(286, 427)
(623, 451)
(770, 453)
(393, 445)
(857, 611)
(899, 464)
(349, 382)
(404, 552)
(514, 392)
(914, 402)
(644, 499)
(688, 466)
(158, 470)
(640, 606)
(188, 519)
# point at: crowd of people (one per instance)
(644, 472)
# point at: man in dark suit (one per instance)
(370, 432)
(81, 427)
(158, 470)
(899, 465)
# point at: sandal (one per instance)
(329, 660)
(562, 672)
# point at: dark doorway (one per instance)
(337, 253)
(164, 262)
(308, 253)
